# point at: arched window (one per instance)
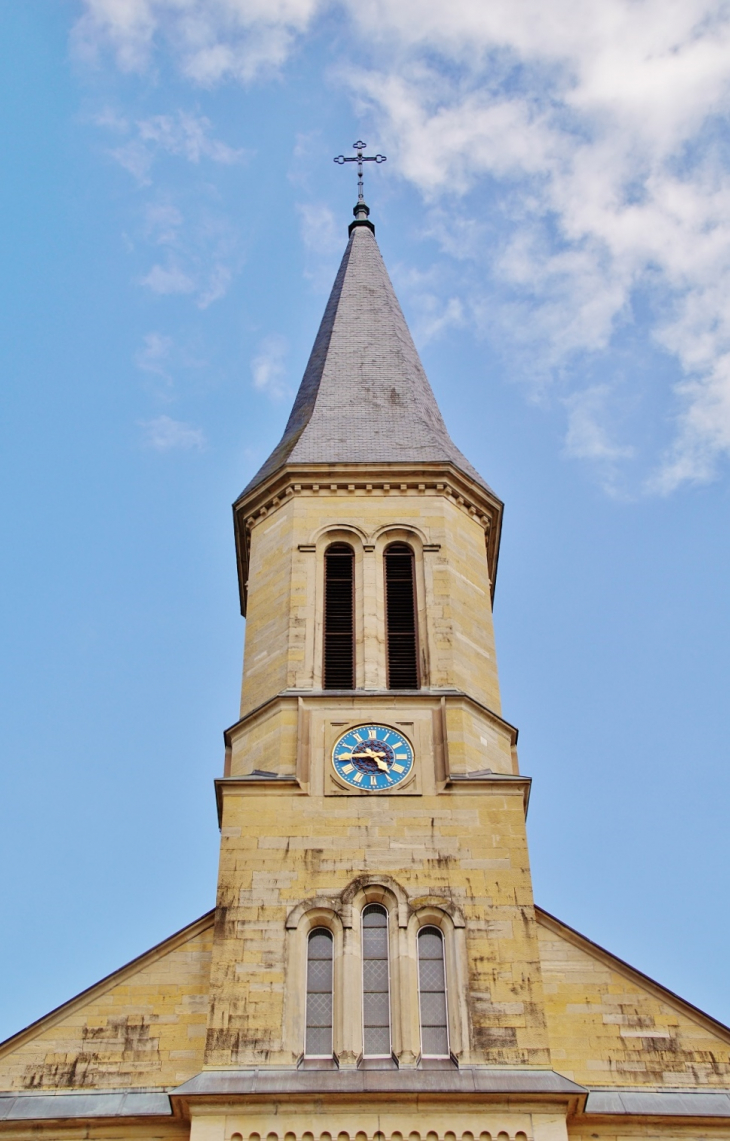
(318, 1041)
(432, 994)
(375, 982)
(400, 604)
(339, 617)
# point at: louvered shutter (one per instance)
(400, 597)
(339, 623)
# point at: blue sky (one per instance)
(554, 214)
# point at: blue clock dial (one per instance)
(373, 758)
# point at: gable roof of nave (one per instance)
(141, 1026)
(611, 1025)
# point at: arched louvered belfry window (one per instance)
(400, 605)
(318, 1042)
(339, 617)
(432, 994)
(375, 982)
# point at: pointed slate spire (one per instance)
(365, 397)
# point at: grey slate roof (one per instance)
(467, 1080)
(660, 1103)
(365, 397)
(50, 1106)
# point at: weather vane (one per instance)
(359, 158)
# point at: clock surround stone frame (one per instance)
(401, 784)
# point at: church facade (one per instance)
(375, 967)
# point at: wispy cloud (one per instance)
(212, 39)
(182, 135)
(201, 246)
(163, 434)
(267, 367)
(154, 356)
(168, 279)
(597, 132)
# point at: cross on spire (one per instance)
(359, 158)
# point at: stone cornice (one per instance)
(424, 695)
(365, 480)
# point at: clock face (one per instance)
(373, 758)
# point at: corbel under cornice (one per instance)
(359, 479)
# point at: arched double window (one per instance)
(318, 1041)
(401, 621)
(339, 617)
(400, 624)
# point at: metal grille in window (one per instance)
(318, 1043)
(339, 624)
(400, 596)
(432, 993)
(375, 982)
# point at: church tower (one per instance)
(371, 777)
(375, 967)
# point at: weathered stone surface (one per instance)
(144, 1026)
(610, 1027)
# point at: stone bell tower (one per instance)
(367, 549)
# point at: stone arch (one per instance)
(376, 888)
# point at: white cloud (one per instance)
(182, 135)
(321, 232)
(212, 39)
(588, 436)
(168, 279)
(592, 127)
(267, 367)
(163, 222)
(216, 286)
(154, 355)
(598, 132)
(164, 434)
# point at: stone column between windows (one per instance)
(406, 993)
(373, 648)
(348, 1041)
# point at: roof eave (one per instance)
(472, 496)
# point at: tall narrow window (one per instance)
(400, 599)
(318, 1042)
(375, 982)
(432, 994)
(339, 617)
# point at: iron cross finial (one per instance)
(359, 158)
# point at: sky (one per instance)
(555, 216)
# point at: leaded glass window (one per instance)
(375, 982)
(432, 994)
(318, 1043)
